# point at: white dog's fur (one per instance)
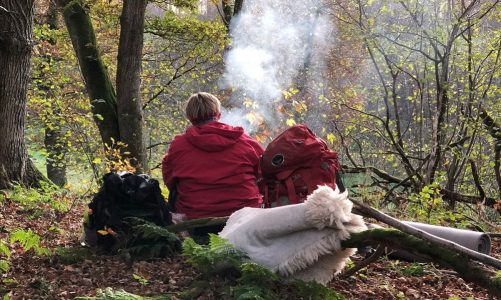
(301, 241)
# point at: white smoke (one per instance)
(271, 40)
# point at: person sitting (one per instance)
(213, 167)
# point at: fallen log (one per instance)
(195, 223)
(470, 265)
(368, 211)
(465, 267)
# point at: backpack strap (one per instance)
(291, 191)
(266, 196)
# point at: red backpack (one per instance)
(294, 164)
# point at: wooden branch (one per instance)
(476, 178)
(380, 173)
(158, 144)
(370, 212)
(466, 268)
(365, 262)
(447, 194)
(190, 224)
(443, 252)
(153, 98)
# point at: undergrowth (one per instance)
(31, 198)
(219, 260)
(148, 241)
(110, 294)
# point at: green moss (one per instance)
(71, 255)
(497, 278)
(315, 291)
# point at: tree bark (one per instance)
(54, 134)
(130, 114)
(56, 158)
(238, 7)
(494, 130)
(96, 77)
(16, 42)
(228, 7)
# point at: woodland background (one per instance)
(407, 92)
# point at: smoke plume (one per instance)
(274, 42)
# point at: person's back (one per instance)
(212, 166)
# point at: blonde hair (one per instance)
(202, 107)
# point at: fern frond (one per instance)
(218, 254)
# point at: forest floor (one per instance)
(50, 277)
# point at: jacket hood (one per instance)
(213, 136)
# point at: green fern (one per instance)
(148, 241)
(4, 249)
(256, 282)
(4, 266)
(218, 254)
(28, 241)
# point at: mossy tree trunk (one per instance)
(16, 42)
(130, 49)
(466, 268)
(97, 80)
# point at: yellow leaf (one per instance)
(103, 232)
(290, 122)
(331, 138)
(251, 118)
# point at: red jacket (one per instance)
(215, 166)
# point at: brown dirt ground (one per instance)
(35, 277)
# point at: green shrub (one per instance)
(252, 281)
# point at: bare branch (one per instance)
(368, 211)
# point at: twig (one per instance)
(373, 257)
(368, 211)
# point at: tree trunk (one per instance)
(238, 7)
(54, 134)
(56, 158)
(130, 115)
(16, 42)
(466, 268)
(96, 77)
